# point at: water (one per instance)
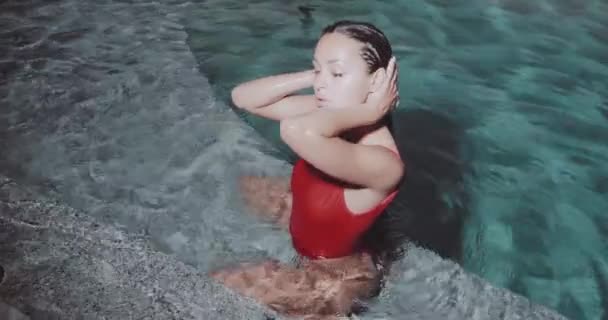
(86, 114)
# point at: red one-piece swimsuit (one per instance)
(321, 225)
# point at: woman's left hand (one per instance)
(386, 97)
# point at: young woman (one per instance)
(348, 171)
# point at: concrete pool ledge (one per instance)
(62, 264)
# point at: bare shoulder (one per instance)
(382, 157)
(384, 170)
(383, 147)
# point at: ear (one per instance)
(376, 79)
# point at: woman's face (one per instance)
(341, 76)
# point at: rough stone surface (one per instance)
(60, 264)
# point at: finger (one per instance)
(395, 69)
(391, 78)
(387, 77)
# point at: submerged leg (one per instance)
(268, 197)
(318, 289)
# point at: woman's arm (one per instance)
(314, 137)
(270, 97)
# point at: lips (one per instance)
(321, 100)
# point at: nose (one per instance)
(320, 83)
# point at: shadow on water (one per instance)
(432, 202)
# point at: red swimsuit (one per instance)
(321, 224)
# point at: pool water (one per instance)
(527, 81)
(86, 113)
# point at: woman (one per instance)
(347, 173)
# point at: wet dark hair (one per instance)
(376, 51)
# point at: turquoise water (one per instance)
(527, 82)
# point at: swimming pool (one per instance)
(511, 74)
(525, 80)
